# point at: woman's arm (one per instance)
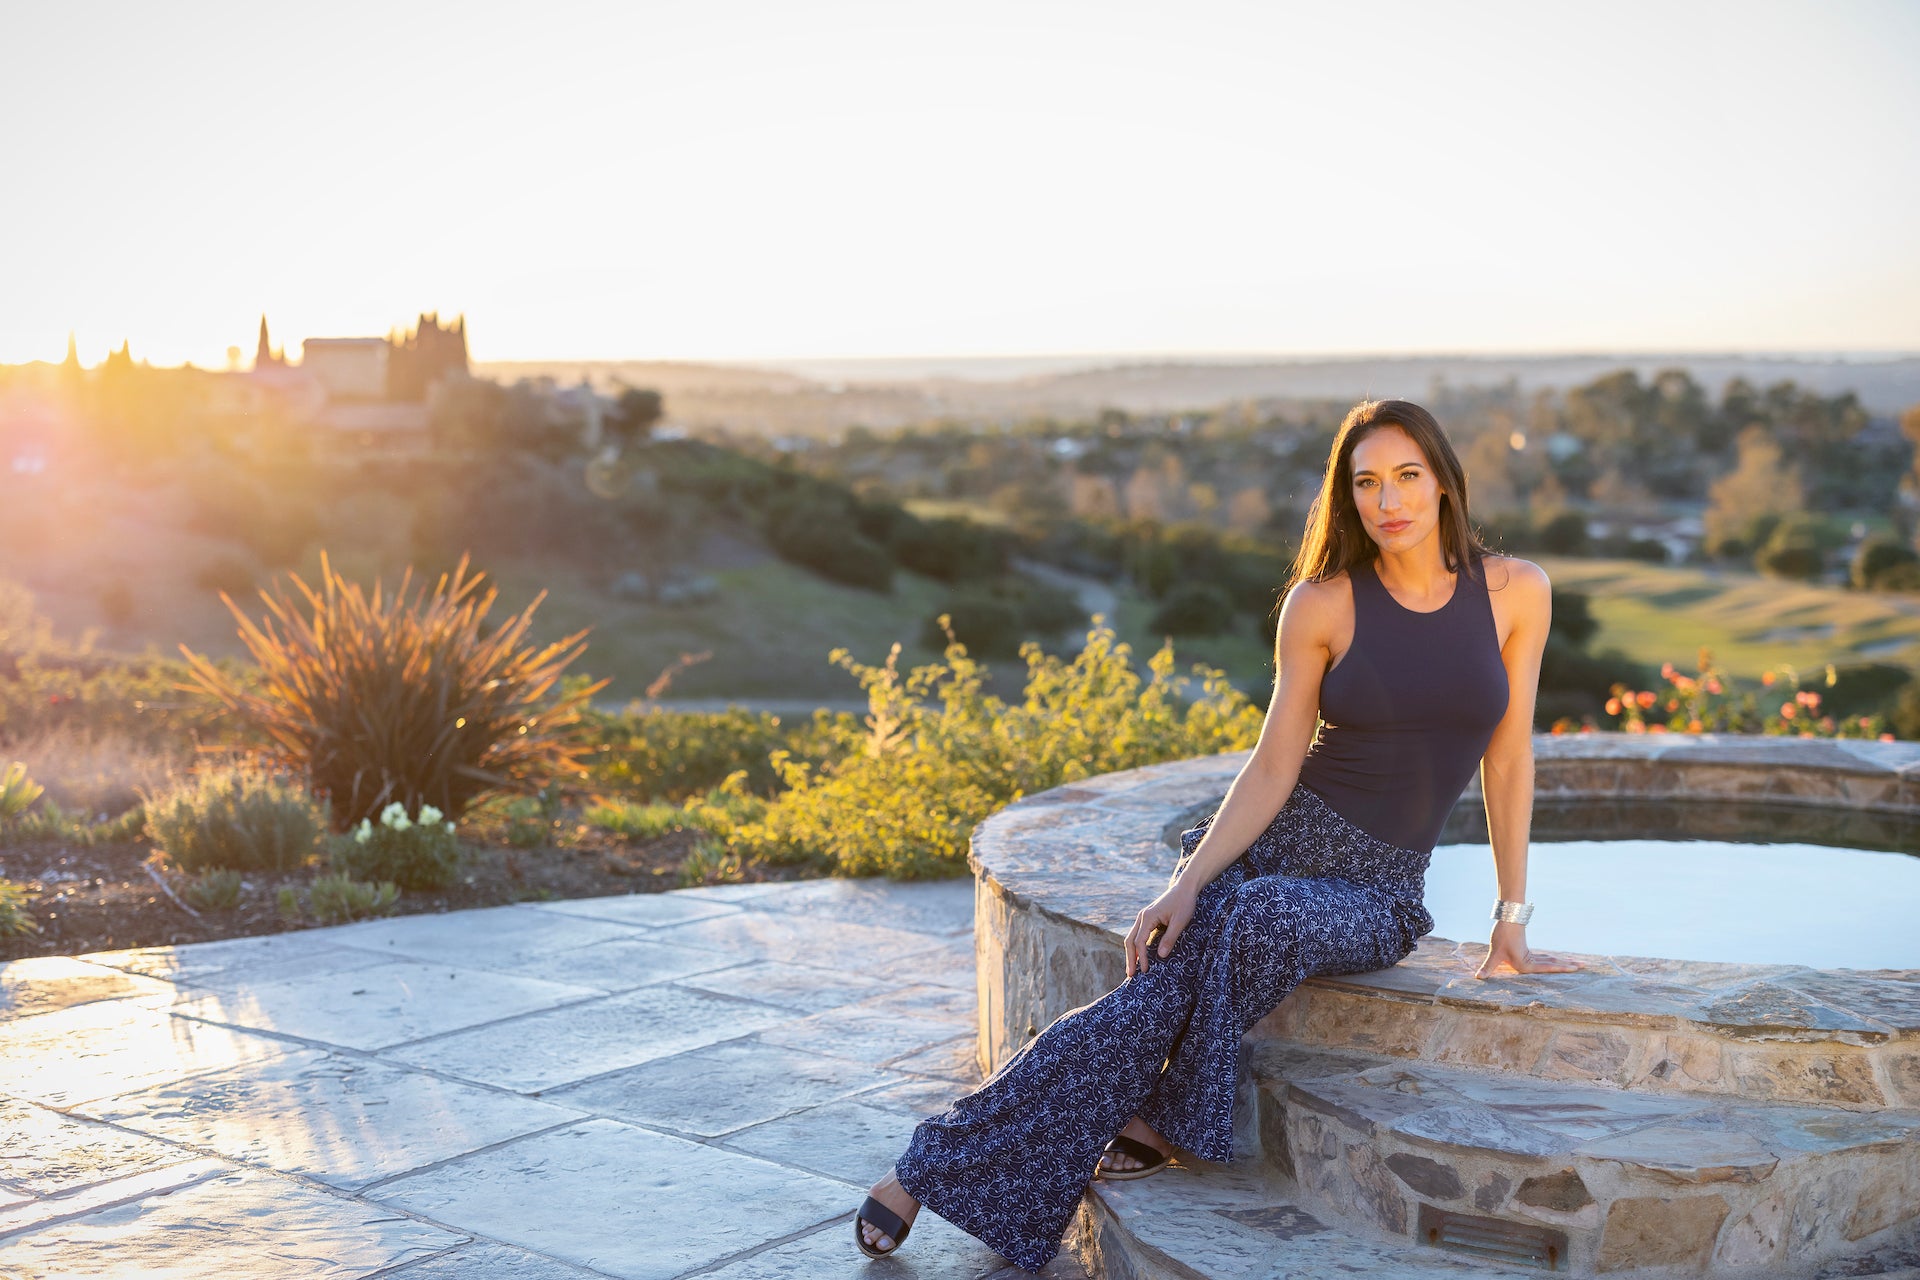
(1301, 655)
(1506, 770)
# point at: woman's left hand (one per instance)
(1507, 952)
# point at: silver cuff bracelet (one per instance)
(1505, 912)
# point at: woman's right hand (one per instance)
(1170, 912)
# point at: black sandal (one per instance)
(887, 1220)
(1151, 1161)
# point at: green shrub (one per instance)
(415, 853)
(336, 899)
(215, 889)
(1789, 560)
(835, 550)
(16, 918)
(1899, 577)
(405, 697)
(528, 827)
(1565, 534)
(992, 619)
(935, 755)
(987, 624)
(51, 822)
(1876, 557)
(950, 548)
(711, 863)
(660, 754)
(287, 903)
(237, 818)
(1193, 609)
(17, 791)
(635, 821)
(53, 688)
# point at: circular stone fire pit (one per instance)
(1645, 1114)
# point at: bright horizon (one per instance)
(754, 182)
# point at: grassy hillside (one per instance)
(1655, 614)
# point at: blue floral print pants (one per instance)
(1313, 894)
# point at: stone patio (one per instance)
(696, 1083)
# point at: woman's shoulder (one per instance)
(1331, 591)
(1512, 573)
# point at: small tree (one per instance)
(1760, 484)
(634, 416)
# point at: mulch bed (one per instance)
(101, 898)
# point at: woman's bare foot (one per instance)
(890, 1193)
(1140, 1131)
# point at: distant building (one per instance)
(427, 353)
(376, 391)
(347, 368)
(264, 356)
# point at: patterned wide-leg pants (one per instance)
(1313, 894)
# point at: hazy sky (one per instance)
(729, 180)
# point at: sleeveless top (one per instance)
(1408, 710)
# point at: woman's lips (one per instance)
(1394, 526)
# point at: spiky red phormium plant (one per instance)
(404, 695)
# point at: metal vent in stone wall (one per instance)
(1519, 1243)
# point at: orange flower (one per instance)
(1645, 698)
(1694, 726)
(1656, 728)
(1673, 704)
(1886, 737)
(1788, 711)
(1766, 678)
(1613, 706)
(1635, 726)
(1713, 685)
(1666, 670)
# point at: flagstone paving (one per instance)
(696, 1083)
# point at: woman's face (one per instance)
(1394, 489)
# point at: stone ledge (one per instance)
(1678, 1069)
(1397, 1142)
(1059, 876)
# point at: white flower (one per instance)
(449, 828)
(363, 832)
(395, 816)
(429, 815)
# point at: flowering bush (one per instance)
(1709, 702)
(936, 755)
(415, 853)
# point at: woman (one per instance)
(1416, 653)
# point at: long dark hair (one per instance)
(1336, 540)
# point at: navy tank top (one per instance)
(1408, 710)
